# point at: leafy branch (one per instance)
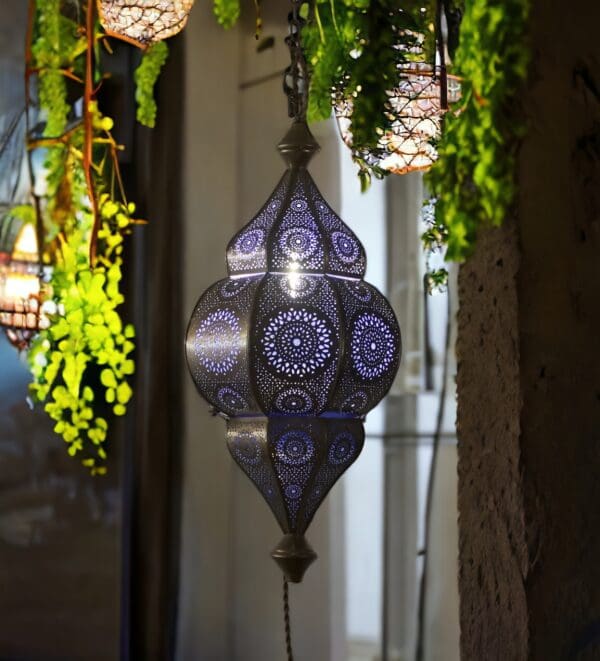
(474, 177)
(87, 350)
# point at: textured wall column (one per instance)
(529, 374)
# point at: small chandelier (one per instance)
(293, 348)
(416, 107)
(20, 305)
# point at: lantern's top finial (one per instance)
(298, 145)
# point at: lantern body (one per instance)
(416, 113)
(294, 348)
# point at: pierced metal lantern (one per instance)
(20, 308)
(294, 348)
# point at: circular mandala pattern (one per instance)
(246, 448)
(294, 400)
(299, 205)
(233, 286)
(216, 345)
(297, 342)
(298, 286)
(293, 492)
(345, 247)
(231, 399)
(360, 291)
(372, 346)
(356, 403)
(342, 449)
(249, 241)
(295, 448)
(298, 242)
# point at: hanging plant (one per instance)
(227, 12)
(353, 46)
(81, 363)
(473, 181)
(86, 352)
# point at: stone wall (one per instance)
(529, 374)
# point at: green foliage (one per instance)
(349, 45)
(474, 178)
(86, 352)
(351, 48)
(374, 72)
(227, 12)
(82, 362)
(331, 35)
(145, 77)
(55, 47)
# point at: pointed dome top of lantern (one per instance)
(296, 230)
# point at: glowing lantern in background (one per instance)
(20, 284)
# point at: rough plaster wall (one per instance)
(492, 549)
(529, 374)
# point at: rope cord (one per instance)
(422, 595)
(286, 619)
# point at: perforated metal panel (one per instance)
(304, 334)
(294, 462)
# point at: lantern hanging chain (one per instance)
(295, 77)
(286, 619)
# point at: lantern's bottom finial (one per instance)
(294, 555)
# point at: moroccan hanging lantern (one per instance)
(20, 283)
(416, 106)
(294, 348)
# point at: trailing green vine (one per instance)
(351, 48)
(87, 349)
(145, 77)
(227, 12)
(473, 180)
(82, 362)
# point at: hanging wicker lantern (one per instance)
(20, 305)
(293, 349)
(143, 23)
(415, 109)
(416, 113)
